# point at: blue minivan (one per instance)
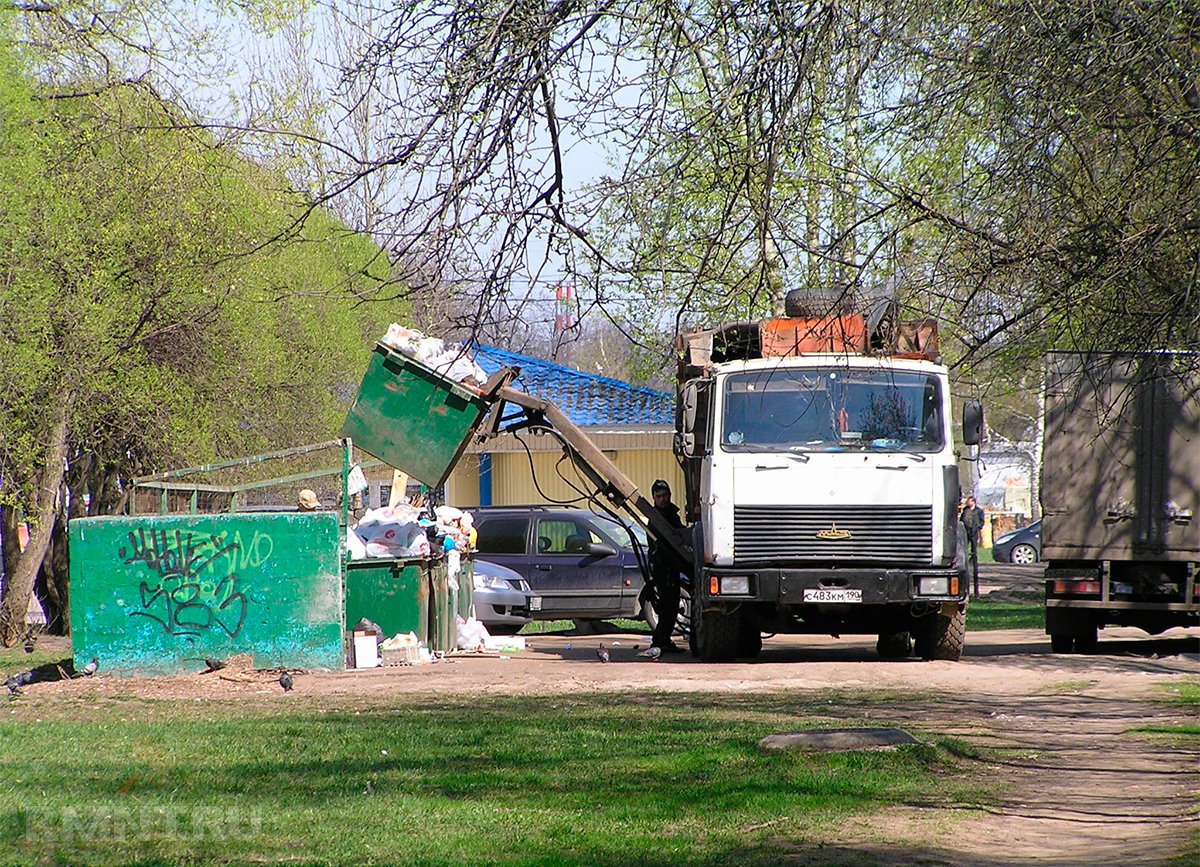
(583, 566)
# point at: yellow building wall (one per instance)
(513, 483)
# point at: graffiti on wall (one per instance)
(192, 585)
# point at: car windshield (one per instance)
(619, 533)
(832, 409)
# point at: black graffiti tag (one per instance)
(177, 598)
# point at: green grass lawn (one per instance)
(1014, 611)
(651, 779)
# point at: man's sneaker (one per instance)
(670, 648)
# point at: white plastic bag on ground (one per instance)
(472, 634)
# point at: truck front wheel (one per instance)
(894, 645)
(942, 636)
(718, 636)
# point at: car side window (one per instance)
(564, 536)
(502, 535)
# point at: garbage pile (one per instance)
(404, 531)
(452, 361)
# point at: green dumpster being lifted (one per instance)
(412, 417)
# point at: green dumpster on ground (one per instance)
(394, 594)
(156, 594)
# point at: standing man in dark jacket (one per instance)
(665, 566)
(972, 521)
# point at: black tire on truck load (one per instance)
(816, 303)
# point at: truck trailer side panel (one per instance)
(1121, 465)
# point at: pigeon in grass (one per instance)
(652, 653)
(285, 680)
(29, 643)
(370, 789)
(602, 652)
(91, 668)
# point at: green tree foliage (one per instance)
(1023, 171)
(161, 298)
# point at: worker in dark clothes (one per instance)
(972, 521)
(665, 566)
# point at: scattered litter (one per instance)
(505, 643)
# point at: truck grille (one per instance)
(894, 534)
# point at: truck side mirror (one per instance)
(689, 399)
(972, 423)
(691, 438)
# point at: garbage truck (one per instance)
(821, 472)
(1120, 487)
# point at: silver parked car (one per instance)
(502, 598)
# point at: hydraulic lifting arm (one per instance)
(605, 476)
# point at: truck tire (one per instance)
(718, 639)
(749, 638)
(818, 303)
(894, 645)
(942, 636)
(1088, 642)
(1060, 643)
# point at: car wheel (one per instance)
(682, 623)
(1024, 555)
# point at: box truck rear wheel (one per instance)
(1062, 643)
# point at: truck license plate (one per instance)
(832, 594)
(535, 603)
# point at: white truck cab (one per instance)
(825, 490)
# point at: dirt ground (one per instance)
(1072, 786)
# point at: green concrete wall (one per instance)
(156, 594)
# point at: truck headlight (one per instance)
(735, 585)
(933, 585)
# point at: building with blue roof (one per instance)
(633, 425)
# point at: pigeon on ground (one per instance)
(213, 664)
(651, 653)
(285, 680)
(91, 668)
(16, 681)
(602, 652)
(29, 643)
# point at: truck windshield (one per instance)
(832, 409)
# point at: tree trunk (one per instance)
(52, 581)
(20, 583)
(10, 544)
